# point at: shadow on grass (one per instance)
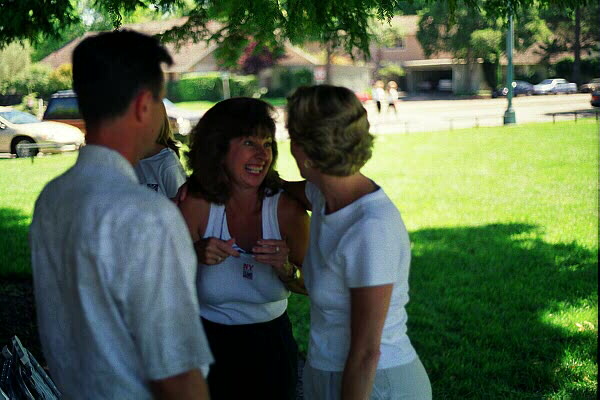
(17, 315)
(478, 315)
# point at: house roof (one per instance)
(184, 56)
(533, 55)
(63, 55)
(295, 56)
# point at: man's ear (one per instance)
(142, 105)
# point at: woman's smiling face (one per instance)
(248, 160)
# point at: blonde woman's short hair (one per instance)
(330, 124)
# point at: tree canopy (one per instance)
(342, 23)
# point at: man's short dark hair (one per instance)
(110, 69)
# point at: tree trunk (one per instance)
(577, 48)
(378, 59)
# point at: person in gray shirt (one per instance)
(160, 169)
(113, 264)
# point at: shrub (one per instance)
(61, 78)
(290, 79)
(34, 79)
(589, 68)
(31, 104)
(391, 72)
(244, 85)
(194, 87)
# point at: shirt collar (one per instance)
(106, 158)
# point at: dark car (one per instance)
(595, 99)
(519, 88)
(591, 86)
(63, 107)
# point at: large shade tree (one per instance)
(342, 23)
(575, 30)
(472, 34)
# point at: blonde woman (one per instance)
(378, 94)
(357, 264)
(160, 169)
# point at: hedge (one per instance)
(291, 79)
(589, 68)
(193, 87)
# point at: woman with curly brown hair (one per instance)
(356, 268)
(250, 240)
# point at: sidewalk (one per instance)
(421, 113)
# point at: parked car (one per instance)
(591, 86)
(63, 107)
(444, 85)
(519, 88)
(595, 99)
(554, 86)
(19, 129)
(424, 86)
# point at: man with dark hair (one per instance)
(113, 263)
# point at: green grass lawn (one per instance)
(504, 230)
(205, 105)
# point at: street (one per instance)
(436, 115)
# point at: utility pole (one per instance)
(509, 114)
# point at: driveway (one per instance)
(420, 115)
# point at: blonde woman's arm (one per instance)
(369, 306)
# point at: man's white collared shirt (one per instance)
(114, 277)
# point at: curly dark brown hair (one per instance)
(226, 120)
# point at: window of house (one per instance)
(399, 43)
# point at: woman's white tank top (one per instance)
(241, 290)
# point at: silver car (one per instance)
(554, 86)
(24, 135)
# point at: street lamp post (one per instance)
(509, 114)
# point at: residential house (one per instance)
(421, 72)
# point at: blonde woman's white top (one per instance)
(363, 244)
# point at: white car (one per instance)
(554, 86)
(24, 135)
(444, 85)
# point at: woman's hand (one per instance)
(211, 251)
(273, 252)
